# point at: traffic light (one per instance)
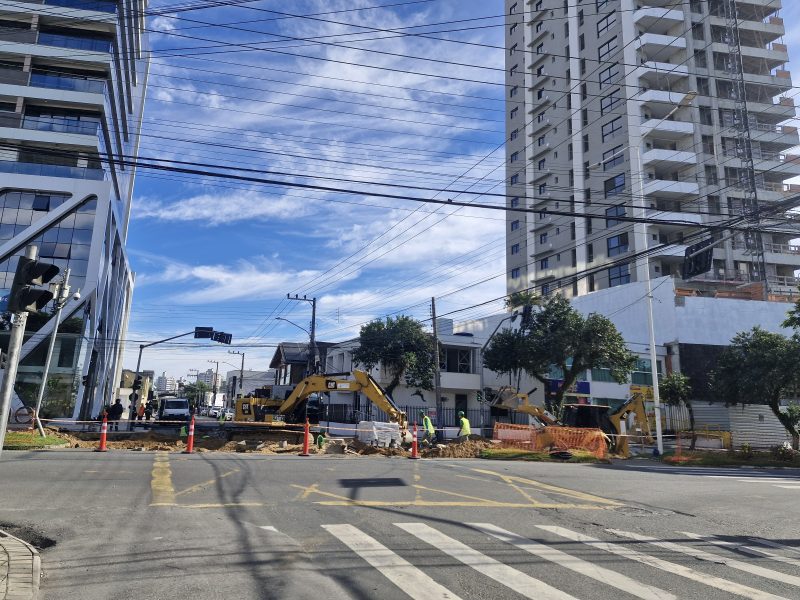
(25, 295)
(222, 337)
(133, 397)
(701, 261)
(137, 383)
(203, 332)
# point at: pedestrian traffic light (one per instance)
(222, 337)
(24, 294)
(137, 383)
(698, 259)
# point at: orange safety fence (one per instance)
(545, 439)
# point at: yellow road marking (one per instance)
(511, 479)
(473, 498)
(161, 481)
(200, 486)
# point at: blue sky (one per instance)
(225, 254)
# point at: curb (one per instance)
(20, 569)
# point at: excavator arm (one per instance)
(362, 382)
(511, 399)
(634, 405)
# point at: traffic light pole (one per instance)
(61, 301)
(14, 351)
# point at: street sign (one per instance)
(698, 259)
(203, 332)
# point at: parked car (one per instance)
(229, 414)
(175, 409)
(214, 411)
(204, 410)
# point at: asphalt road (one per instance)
(169, 526)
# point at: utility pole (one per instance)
(214, 383)
(436, 374)
(61, 299)
(312, 354)
(241, 372)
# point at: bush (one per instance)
(746, 451)
(783, 452)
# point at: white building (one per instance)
(250, 381)
(166, 384)
(208, 376)
(72, 87)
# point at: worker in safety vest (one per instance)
(464, 428)
(428, 431)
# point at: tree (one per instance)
(793, 319)
(675, 390)
(508, 353)
(563, 337)
(759, 367)
(402, 347)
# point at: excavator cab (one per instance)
(587, 415)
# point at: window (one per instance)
(698, 32)
(514, 179)
(706, 115)
(618, 275)
(542, 189)
(514, 157)
(600, 3)
(542, 238)
(515, 249)
(696, 6)
(540, 141)
(545, 289)
(514, 112)
(581, 42)
(708, 144)
(702, 86)
(513, 28)
(607, 75)
(539, 94)
(700, 59)
(614, 185)
(513, 91)
(574, 256)
(513, 70)
(614, 211)
(515, 273)
(606, 23)
(539, 26)
(586, 143)
(544, 263)
(515, 202)
(605, 50)
(540, 165)
(584, 92)
(514, 134)
(512, 50)
(611, 128)
(591, 282)
(540, 49)
(584, 117)
(515, 225)
(613, 157)
(513, 9)
(572, 232)
(711, 175)
(617, 244)
(540, 118)
(589, 251)
(610, 102)
(580, 17)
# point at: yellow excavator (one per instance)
(334, 382)
(612, 423)
(510, 399)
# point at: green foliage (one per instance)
(783, 452)
(508, 354)
(746, 451)
(520, 299)
(674, 389)
(759, 367)
(402, 347)
(793, 318)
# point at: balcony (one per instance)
(662, 74)
(539, 125)
(670, 189)
(657, 20)
(42, 170)
(74, 42)
(94, 5)
(542, 248)
(460, 381)
(21, 36)
(658, 46)
(667, 130)
(61, 125)
(775, 55)
(674, 219)
(76, 84)
(12, 120)
(14, 76)
(668, 159)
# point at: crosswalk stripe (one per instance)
(396, 569)
(664, 565)
(714, 558)
(789, 487)
(771, 544)
(749, 549)
(617, 580)
(518, 581)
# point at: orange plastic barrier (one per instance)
(545, 439)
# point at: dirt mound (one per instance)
(362, 449)
(471, 448)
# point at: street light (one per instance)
(512, 318)
(640, 234)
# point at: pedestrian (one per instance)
(428, 431)
(464, 430)
(115, 414)
(148, 410)
(140, 412)
(321, 439)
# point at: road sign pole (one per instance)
(12, 362)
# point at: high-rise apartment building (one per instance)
(166, 384)
(72, 83)
(628, 108)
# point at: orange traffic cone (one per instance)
(414, 448)
(306, 438)
(190, 438)
(103, 435)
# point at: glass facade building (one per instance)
(72, 86)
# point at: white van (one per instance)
(175, 409)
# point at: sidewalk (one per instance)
(20, 569)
